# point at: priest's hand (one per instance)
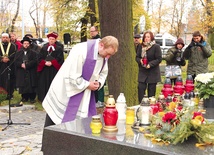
(5, 59)
(48, 63)
(93, 85)
(23, 65)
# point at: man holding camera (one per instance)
(174, 57)
(33, 44)
(197, 53)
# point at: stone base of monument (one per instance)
(76, 138)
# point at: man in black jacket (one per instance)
(137, 42)
(94, 33)
(26, 72)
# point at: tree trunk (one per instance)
(16, 15)
(116, 20)
(92, 12)
(84, 29)
(34, 21)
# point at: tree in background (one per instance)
(45, 7)
(138, 11)
(34, 14)
(90, 15)
(68, 15)
(208, 19)
(178, 10)
(116, 20)
(15, 17)
(7, 23)
(182, 17)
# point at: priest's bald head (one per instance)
(108, 46)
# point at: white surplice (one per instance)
(69, 82)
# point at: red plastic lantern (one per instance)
(189, 86)
(155, 108)
(167, 88)
(179, 87)
(110, 115)
(145, 60)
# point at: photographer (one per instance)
(197, 53)
(33, 44)
(174, 59)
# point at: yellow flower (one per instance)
(172, 106)
(199, 117)
(210, 136)
(161, 114)
(195, 122)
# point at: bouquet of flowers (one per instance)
(205, 84)
(175, 124)
(3, 94)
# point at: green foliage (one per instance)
(67, 15)
(205, 84)
(138, 11)
(211, 40)
(188, 122)
(3, 94)
(17, 98)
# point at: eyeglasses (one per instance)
(93, 31)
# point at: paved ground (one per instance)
(19, 138)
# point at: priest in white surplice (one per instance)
(71, 94)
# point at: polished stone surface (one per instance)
(75, 137)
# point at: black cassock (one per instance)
(47, 73)
(26, 79)
(4, 68)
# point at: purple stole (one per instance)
(74, 101)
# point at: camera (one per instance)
(178, 59)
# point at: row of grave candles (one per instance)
(178, 87)
(112, 109)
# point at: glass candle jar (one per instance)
(96, 124)
(130, 115)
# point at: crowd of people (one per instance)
(27, 67)
(148, 57)
(67, 89)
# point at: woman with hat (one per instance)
(26, 74)
(174, 57)
(50, 60)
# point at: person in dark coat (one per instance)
(174, 56)
(148, 59)
(50, 59)
(26, 72)
(94, 33)
(7, 54)
(33, 44)
(197, 54)
(14, 40)
(137, 42)
(57, 42)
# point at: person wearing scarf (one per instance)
(50, 59)
(148, 58)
